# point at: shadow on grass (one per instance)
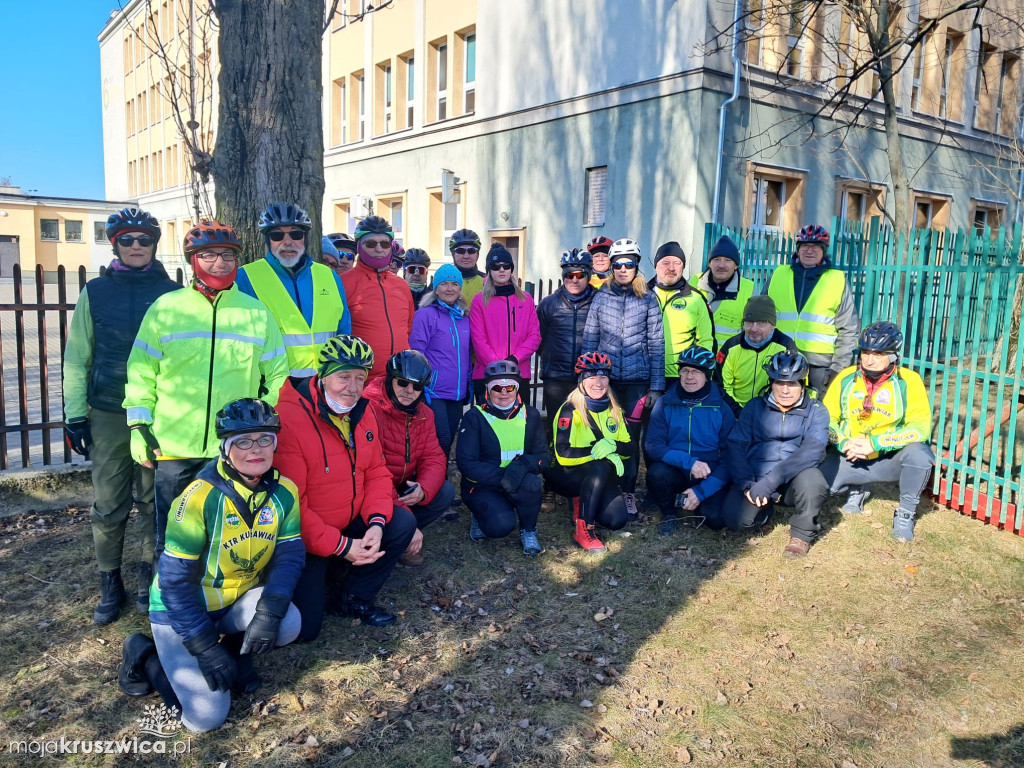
(999, 750)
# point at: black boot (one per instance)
(247, 679)
(132, 675)
(669, 523)
(370, 614)
(112, 597)
(144, 572)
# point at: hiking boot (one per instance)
(475, 531)
(585, 536)
(144, 573)
(368, 613)
(453, 512)
(796, 548)
(903, 525)
(549, 502)
(415, 560)
(112, 596)
(668, 525)
(131, 678)
(631, 510)
(531, 546)
(855, 501)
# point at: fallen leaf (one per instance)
(586, 703)
(911, 568)
(722, 699)
(683, 755)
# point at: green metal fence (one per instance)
(955, 294)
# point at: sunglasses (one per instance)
(624, 265)
(373, 244)
(246, 443)
(574, 276)
(463, 251)
(414, 270)
(209, 258)
(346, 255)
(403, 383)
(501, 268)
(297, 235)
(127, 240)
(504, 388)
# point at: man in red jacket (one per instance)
(380, 303)
(411, 450)
(330, 447)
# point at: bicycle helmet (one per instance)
(410, 364)
(417, 256)
(576, 258)
(699, 358)
(464, 237)
(132, 220)
(397, 254)
(501, 369)
(813, 233)
(284, 215)
(882, 336)
(207, 234)
(343, 241)
(787, 366)
(600, 244)
(343, 352)
(624, 247)
(373, 225)
(593, 364)
(248, 414)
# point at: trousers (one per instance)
(807, 492)
(172, 477)
(628, 393)
(447, 417)
(597, 486)
(498, 513)
(910, 466)
(663, 483)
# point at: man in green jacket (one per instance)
(197, 350)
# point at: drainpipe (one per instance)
(716, 211)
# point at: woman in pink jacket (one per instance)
(502, 320)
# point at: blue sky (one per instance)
(51, 137)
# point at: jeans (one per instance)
(427, 513)
(447, 416)
(910, 466)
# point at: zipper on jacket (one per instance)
(384, 297)
(298, 299)
(457, 343)
(209, 382)
(352, 460)
(509, 319)
(323, 447)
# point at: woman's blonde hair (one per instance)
(578, 400)
(430, 298)
(639, 284)
(487, 292)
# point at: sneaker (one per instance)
(549, 502)
(131, 678)
(855, 501)
(531, 546)
(668, 525)
(903, 525)
(475, 531)
(796, 548)
(631, 510)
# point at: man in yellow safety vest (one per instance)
(727, 293)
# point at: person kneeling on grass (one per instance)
(231, 561)
(774, 453)
(501, 452)
(592, 450)
(686, 442)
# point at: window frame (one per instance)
(599, 203)
(81, 231)
(469, 86)
(56, 229)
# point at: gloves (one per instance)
(514, 474)
(617, 463)
(215, 661)
(78, 436)
(261, 634)
(653, 396)
(142, 444)
(602, 448)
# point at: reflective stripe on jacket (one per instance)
(813, 327)
(574, 437)
(728, 315)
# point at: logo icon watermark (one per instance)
(156, 721)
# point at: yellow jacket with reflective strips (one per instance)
(728, 315)
(686, 318)
(574, 437)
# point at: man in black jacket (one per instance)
(562, 317)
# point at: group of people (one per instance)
(284, 428)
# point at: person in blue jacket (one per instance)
(774, 454)
(686, 442)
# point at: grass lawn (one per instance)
(701, 648)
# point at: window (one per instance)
(795, 40)
(595, 196)
(73, 231)
(754, 32)
(387, 99)
(986, 214)
(769, 200)
(99, 232)
(930, 211)
(339, 16)
(951, 52)
(469, 88)
(920, 58)
(396, 218)
(49, 229)
(339, 118)
(410, 90)
(361, 85)
(1006, 98)
(774, 198)
(442, 81)
(858, 202)
(984, 86)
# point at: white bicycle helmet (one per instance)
(624, 247)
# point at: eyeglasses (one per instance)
(245, 443)
(624, 265)
(230, 257)
(415, 270)
(297, 235)
(346, 255)
(574, 276)
(463, 251)
(501, 267)
(504, 388)
(373, 244)
(127, 240)
(404, 383)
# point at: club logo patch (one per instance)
(564, 422)
(883, 397)
(266, 516)
(233, 519)
(369, 436)
(679, 304)
(612, 425)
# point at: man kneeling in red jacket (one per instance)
(411, 449)
(330, 447)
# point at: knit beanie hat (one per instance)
(671, 248)
(725, 247)
(447, 273)
(498, 255)
(327, 248)
(760, 309)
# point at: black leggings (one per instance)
(499, 513)
(447, 416)
(596, 484)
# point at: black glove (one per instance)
(514, 475)
(78, 436)
(653, 396)
(261, 634)
(215, 661)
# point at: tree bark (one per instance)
(269, 130)
(891, 122)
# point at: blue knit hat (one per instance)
(447, 273)
(725, 247)
(327, 247)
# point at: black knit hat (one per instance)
(725, 247)
(498, 255)
(671, 248)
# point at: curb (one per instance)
(25, 491)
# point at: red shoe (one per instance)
(584, 536)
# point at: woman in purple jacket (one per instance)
(502, 320)
(440, 330)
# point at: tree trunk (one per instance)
(891, 124)
(269, 131)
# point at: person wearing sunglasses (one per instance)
(562, 316)
(502, 320)
(416, 266)
(224, 589)
(380, 301)
(774, 453)
(407, 434)
(625, 324)
(880, 421)
(196, 350)
(501, 453)
(106, 319)
(346, 248)
(465, 249)
(306, 299)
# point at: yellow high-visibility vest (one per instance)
(728, 315)
(814, 327)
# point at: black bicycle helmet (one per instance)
(882, 336)
(417, 256)
(464, 237)
(576, 258)
(132, 220)
(788, 366)
(373, 225)
(410, 364)
(698, 357)
(284, 215)
(343, 241)
(247, 414)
